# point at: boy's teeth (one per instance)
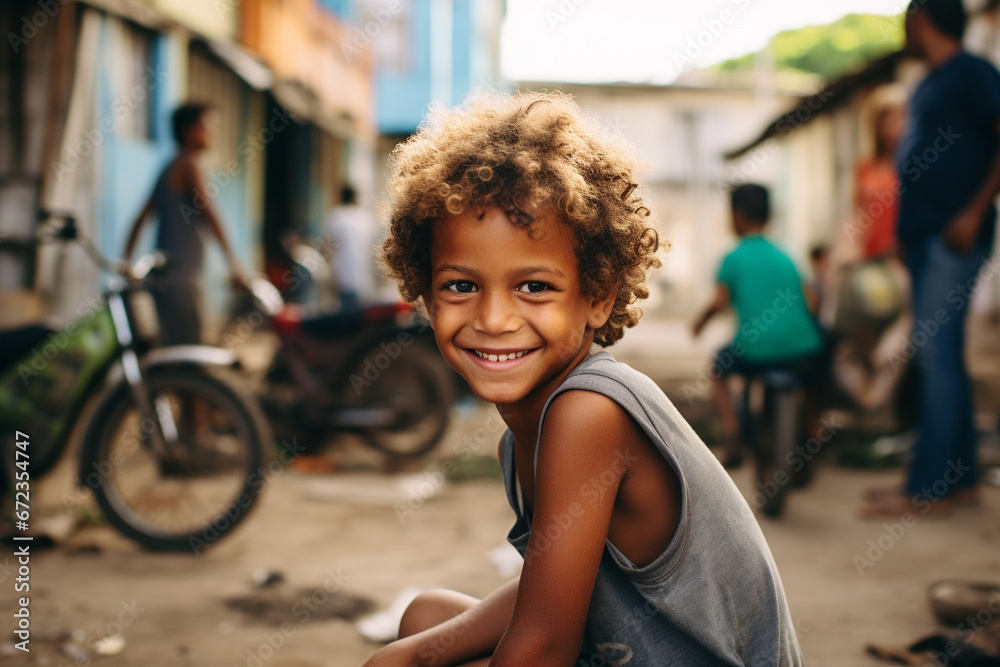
(500, 357)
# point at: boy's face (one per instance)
(506, 307)
(199, 135)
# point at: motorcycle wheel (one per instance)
(774, 447)
(415, 388)
(207, 479)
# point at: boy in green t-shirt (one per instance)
(775, 323)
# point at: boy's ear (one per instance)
(601, 307)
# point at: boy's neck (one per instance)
(523, 417)
(752, 230)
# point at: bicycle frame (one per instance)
(45, 391)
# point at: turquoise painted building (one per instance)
(425, 51)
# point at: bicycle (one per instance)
(174, 447)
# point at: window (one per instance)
(134, 79)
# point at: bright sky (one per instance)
(651, 40)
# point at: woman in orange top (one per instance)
(876, 189)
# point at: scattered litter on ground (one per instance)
(274, 606)
(56, 527)
(507, 560)
(958, 606)
(263, 577)
(110, 645)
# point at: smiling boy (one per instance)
(516, 221)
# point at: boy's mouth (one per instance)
(497, 359)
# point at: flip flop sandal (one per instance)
(893, 507)
(897, 656)
(960, 654)
(965, 498)
(878, 493)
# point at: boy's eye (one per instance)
(460, 286)
(533, 287)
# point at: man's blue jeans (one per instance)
(944, 456)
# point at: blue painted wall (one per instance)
(129, 166)
(402, 97)
(344, 9)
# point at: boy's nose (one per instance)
(496, 315)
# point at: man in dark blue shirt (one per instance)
(949, 167)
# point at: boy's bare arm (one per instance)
(193, 176)
(470, 635)
(720, 303)
(582, 445)
(133, 235)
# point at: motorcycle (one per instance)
(371, 370)
(173, 450)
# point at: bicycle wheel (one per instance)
(208, 476)
(412, 391)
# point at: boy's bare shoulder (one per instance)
(581, 416)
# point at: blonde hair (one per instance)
(522, 153)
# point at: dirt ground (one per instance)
(346, 543)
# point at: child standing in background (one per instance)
(776, 327)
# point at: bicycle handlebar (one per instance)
(266, 296)
(68, 231)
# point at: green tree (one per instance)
(830, 50)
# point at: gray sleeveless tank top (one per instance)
(179, 233)
(713, 597)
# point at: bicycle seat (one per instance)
(344, 322)
(351, 319)
(16, 343)
(779, 378)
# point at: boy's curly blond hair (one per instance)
(524, 152)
